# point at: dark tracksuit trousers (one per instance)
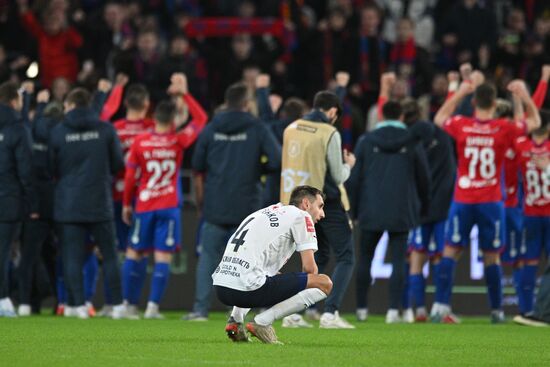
(73, 244)
(7, 231)
(334, 233)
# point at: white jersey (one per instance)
(262, 244)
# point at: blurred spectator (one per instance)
(370, 58)
(183, 58)
(141, 63)
(410, 62)
(60, 88)
(511, 43)
(430, 102)
(418, 11)
(468, 30)
(57, 42)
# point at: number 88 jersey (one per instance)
(481, 147)
(536, 182)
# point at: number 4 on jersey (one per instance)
(239, 241)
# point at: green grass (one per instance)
(52, 341)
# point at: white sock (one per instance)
(296, 303)
(239, 314)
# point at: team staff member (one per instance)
(228, 151)
(312, 155)
(84, 155)
(390, 187)
(16, 191)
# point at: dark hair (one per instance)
(165, 112)
(54, 110)
(544, 123)
(411, 110)
(504, 109)
(136, 96)
(305, 191)
(392, 110)
(236, 96)
(8, 92)
(325, 100)
(80, 97)
(293, 108)
(485, 96)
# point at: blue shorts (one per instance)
(158, 230)
(276, 289)
(514, 225)
(490, 220)
(430, 238)
(536, 237)
(122, 229)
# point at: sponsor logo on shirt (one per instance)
(309, 225)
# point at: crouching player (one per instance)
(248, 274)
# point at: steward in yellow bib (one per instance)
(312, 155)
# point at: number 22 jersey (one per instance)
(262, 244)
(154, 160)
(481, 147)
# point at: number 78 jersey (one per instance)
(262, 244)
(481, 147)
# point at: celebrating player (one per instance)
(248, 274)
(481, 143)
(156, 224)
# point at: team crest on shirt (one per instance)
(294, 148)
(145, 195)
(464, 182)
(309, 225)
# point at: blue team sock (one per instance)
(159, 281)
(516, 275)
(493, 277)
(405, 298)
(528, 281)
(444, 280)
(131, 278)
(417, 286)
(142, 275)
(60, 282)
(90, 276)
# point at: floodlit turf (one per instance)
(53, 341)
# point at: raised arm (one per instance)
(540, 93)
(262, 98)
(450, 104)
(387, 81)
(100, 96)
(112, 103)
(532, 118)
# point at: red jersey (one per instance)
(127, 131)
(536, 183)
(158, 157)
(511, 178)
(481, 147)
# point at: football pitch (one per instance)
(54, 341)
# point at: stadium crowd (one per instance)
(444, 104)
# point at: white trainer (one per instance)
(106, 311)
(334, 321)
(69, 311)
(408, 316)
(125, 311)
(312, 314)
(392, 316)
(362, 314)
(82, 312)
(295, 321)
(152, 311)
(6, 308)
(24, 310)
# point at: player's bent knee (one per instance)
(132, 254)
(325, 283)
(491, 258)
(163, 257)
